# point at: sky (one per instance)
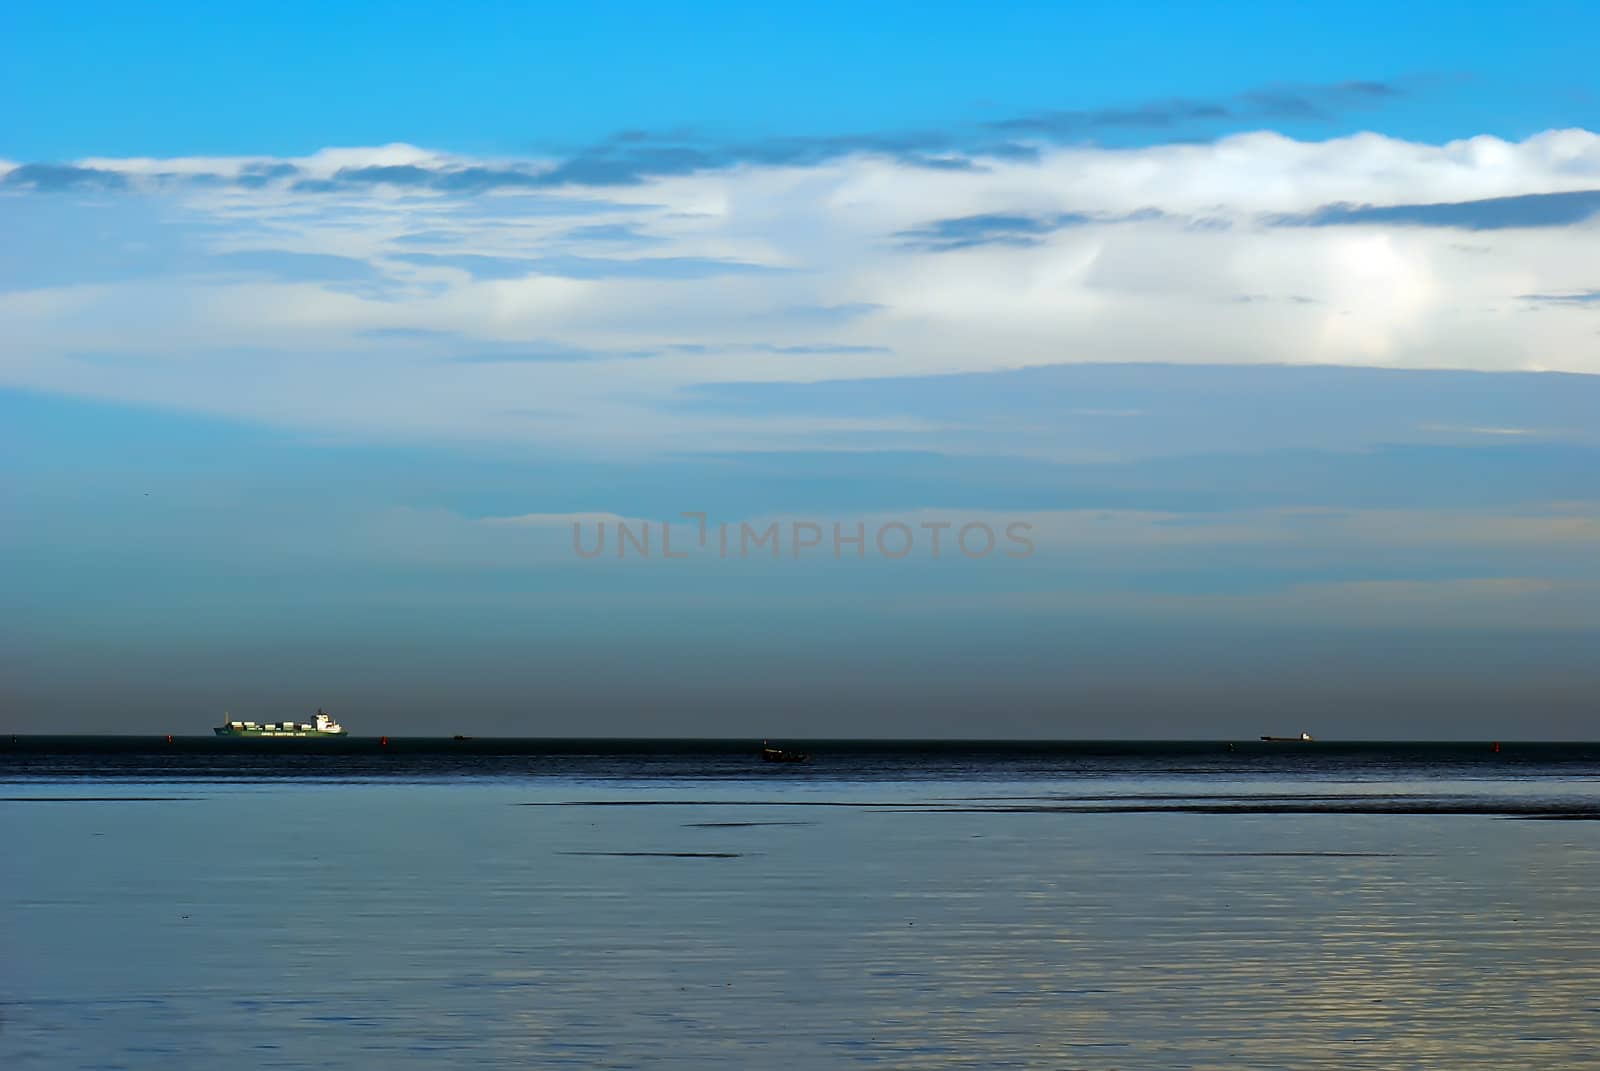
(1243, 359)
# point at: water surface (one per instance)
(525, 904)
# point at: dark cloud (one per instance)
(393, 175)
(254, 176)
(943, 163)
(1316, 103)
(633, 163)
(1580, 297)
(1158, 115)
(1278, 102)
(642, 155)
(54, 177)
(1014, 151)
(1493, 213)
(587, 169)
(574, 267)
(479, 179)
(460, 180)
(965, 232)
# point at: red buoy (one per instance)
(1497, 747)
(384, 741)
(169, 738)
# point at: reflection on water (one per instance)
(792, 923)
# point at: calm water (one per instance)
(493, 904)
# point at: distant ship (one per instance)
(778, 754)
(323, 725)
(1303, 738)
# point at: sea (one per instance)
(408, 903)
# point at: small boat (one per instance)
(1303, 738)
(458, 736)
(778, 754)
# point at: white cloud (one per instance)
(1234, 290)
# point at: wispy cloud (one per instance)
(1321, 103)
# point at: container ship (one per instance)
(322, 725)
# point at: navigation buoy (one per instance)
(383, 740)
(169, 738)
(1497, 747)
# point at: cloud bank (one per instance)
(399, 292)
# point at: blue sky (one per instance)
(190, 78)
(1278, 326)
